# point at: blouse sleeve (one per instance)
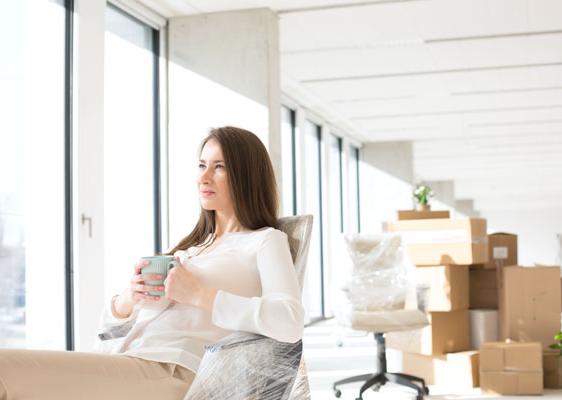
(108, 320)
(278, 313)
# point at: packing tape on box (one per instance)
(441, 236)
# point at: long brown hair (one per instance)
(251, 181)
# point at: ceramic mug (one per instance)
(159, 265)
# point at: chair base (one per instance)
(380, 378)
(377, 380)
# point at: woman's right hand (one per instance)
(123, 304)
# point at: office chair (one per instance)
(377, 296)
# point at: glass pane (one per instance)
(128, 146)
(335, 180)
(32, 219)
(312, 206)
(287, 140)
(354, 188)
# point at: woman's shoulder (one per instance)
(267, 234)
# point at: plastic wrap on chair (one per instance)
(382, 275)
(247, 366)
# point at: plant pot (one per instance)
(423, 207)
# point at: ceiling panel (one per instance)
(435, 84)
(364, 61)
(447, 103)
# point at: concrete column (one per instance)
(386, 178)
(89, 257)
(223, 70)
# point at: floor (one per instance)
(327, 362)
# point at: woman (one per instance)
(235, 273)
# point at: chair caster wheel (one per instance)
(337, 393)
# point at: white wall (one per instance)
(536, 230)
(386, 178)
(223, 70)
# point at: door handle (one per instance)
(89, 221)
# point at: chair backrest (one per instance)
(382, 274)
(298, 229)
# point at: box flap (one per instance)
(491, 357)
(510, 357)
(523, 357)
(502, 234)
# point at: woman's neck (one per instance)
(226, 222)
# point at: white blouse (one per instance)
(258, 292)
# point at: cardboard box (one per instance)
(461, 241)
(502, 250)
(442, 288)
(483, 289)
(552, 369)
(529, 304)
(484, 327)
(414, 214)
(448, 332)
(511, 382)
(455, 370)
(511, 368)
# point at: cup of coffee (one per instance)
(159, 265)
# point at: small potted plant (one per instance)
(558, 344)
(422, 194)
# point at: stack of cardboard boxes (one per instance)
(477, 297)
(520, 305)
(484, 288)
(529, 311)
(442, 250)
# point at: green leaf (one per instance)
(558, 337)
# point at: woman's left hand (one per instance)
(182, 286)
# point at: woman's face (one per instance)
(212, 180)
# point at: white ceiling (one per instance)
(475, 84)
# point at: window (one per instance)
(313, 205)
(288, 165)
(354, 189)
(131, 146)
(33, 171)
(336, 185)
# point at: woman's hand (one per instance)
(136, 292)
(182, 286)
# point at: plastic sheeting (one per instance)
(247, 366)
(382, 275)
(242, 366)
(116, 331)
